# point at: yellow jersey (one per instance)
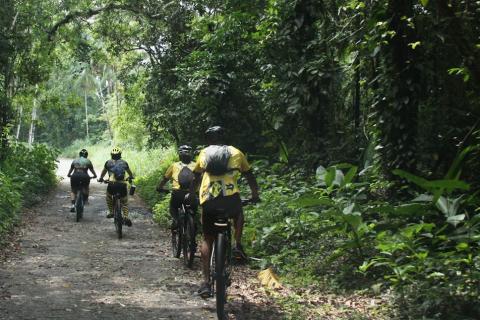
(173, 171)
(226, 185)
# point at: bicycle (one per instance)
(183, 236)
(80, 200)
(221, 260)
(117, 210)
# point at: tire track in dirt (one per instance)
(68, 270)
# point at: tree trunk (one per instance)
(86, 115)
(19, 125)
(397, 108)
(31, 133)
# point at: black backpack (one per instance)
(118, 170)
(185, 177)
(216, 160)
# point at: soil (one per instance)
(55, 268)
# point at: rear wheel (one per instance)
(190, 246)
(221, 281)
(118, 219)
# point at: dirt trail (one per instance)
(68, 270)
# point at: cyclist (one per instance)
(220, 191)
(181, 175)
(80, 176)
(116, 168)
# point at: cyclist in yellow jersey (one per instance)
(181, 175)
(220, 191)
(116, 168)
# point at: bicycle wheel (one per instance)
(117, 218)
(79, 205)
(221, 277)
(190, 245)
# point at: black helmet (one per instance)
(214, 134)
(215, 130)
(184, 149)
(83, 153)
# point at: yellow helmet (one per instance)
(116, 151)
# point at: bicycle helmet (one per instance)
(116, 153)
(214, 135)
(83, 153)
(184, 149)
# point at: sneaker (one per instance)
(204, 291)
(127, 222)
(239, 254)
(72, 209)
(110, 216)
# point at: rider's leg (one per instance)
(176, 201)
(239, 222)
(109, 199)
(206, 250)
(72, 199)
(124, 204)
(86, 191)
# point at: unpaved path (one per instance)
(68, 270)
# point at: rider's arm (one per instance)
(248, 174)
(69, 174)
(130, 174)
(93, 171)
(252, 183)
(162, 183)
(102, 174)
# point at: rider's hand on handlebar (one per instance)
(161, 190)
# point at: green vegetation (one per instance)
(361, 116)
(25, 174)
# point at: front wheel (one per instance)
(221, 281)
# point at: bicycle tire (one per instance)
(117, 218)
(221, 281)
(189, 241)
(79, 205)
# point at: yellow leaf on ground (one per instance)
(269, 279)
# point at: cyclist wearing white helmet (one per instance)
(116, 168)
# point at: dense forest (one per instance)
(361, 119)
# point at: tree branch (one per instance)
(94, 11)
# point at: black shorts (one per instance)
(226, 206)
(117, 187)
(79, 179)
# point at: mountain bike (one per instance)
(117, 210)
(184, 234)
(221, 260)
